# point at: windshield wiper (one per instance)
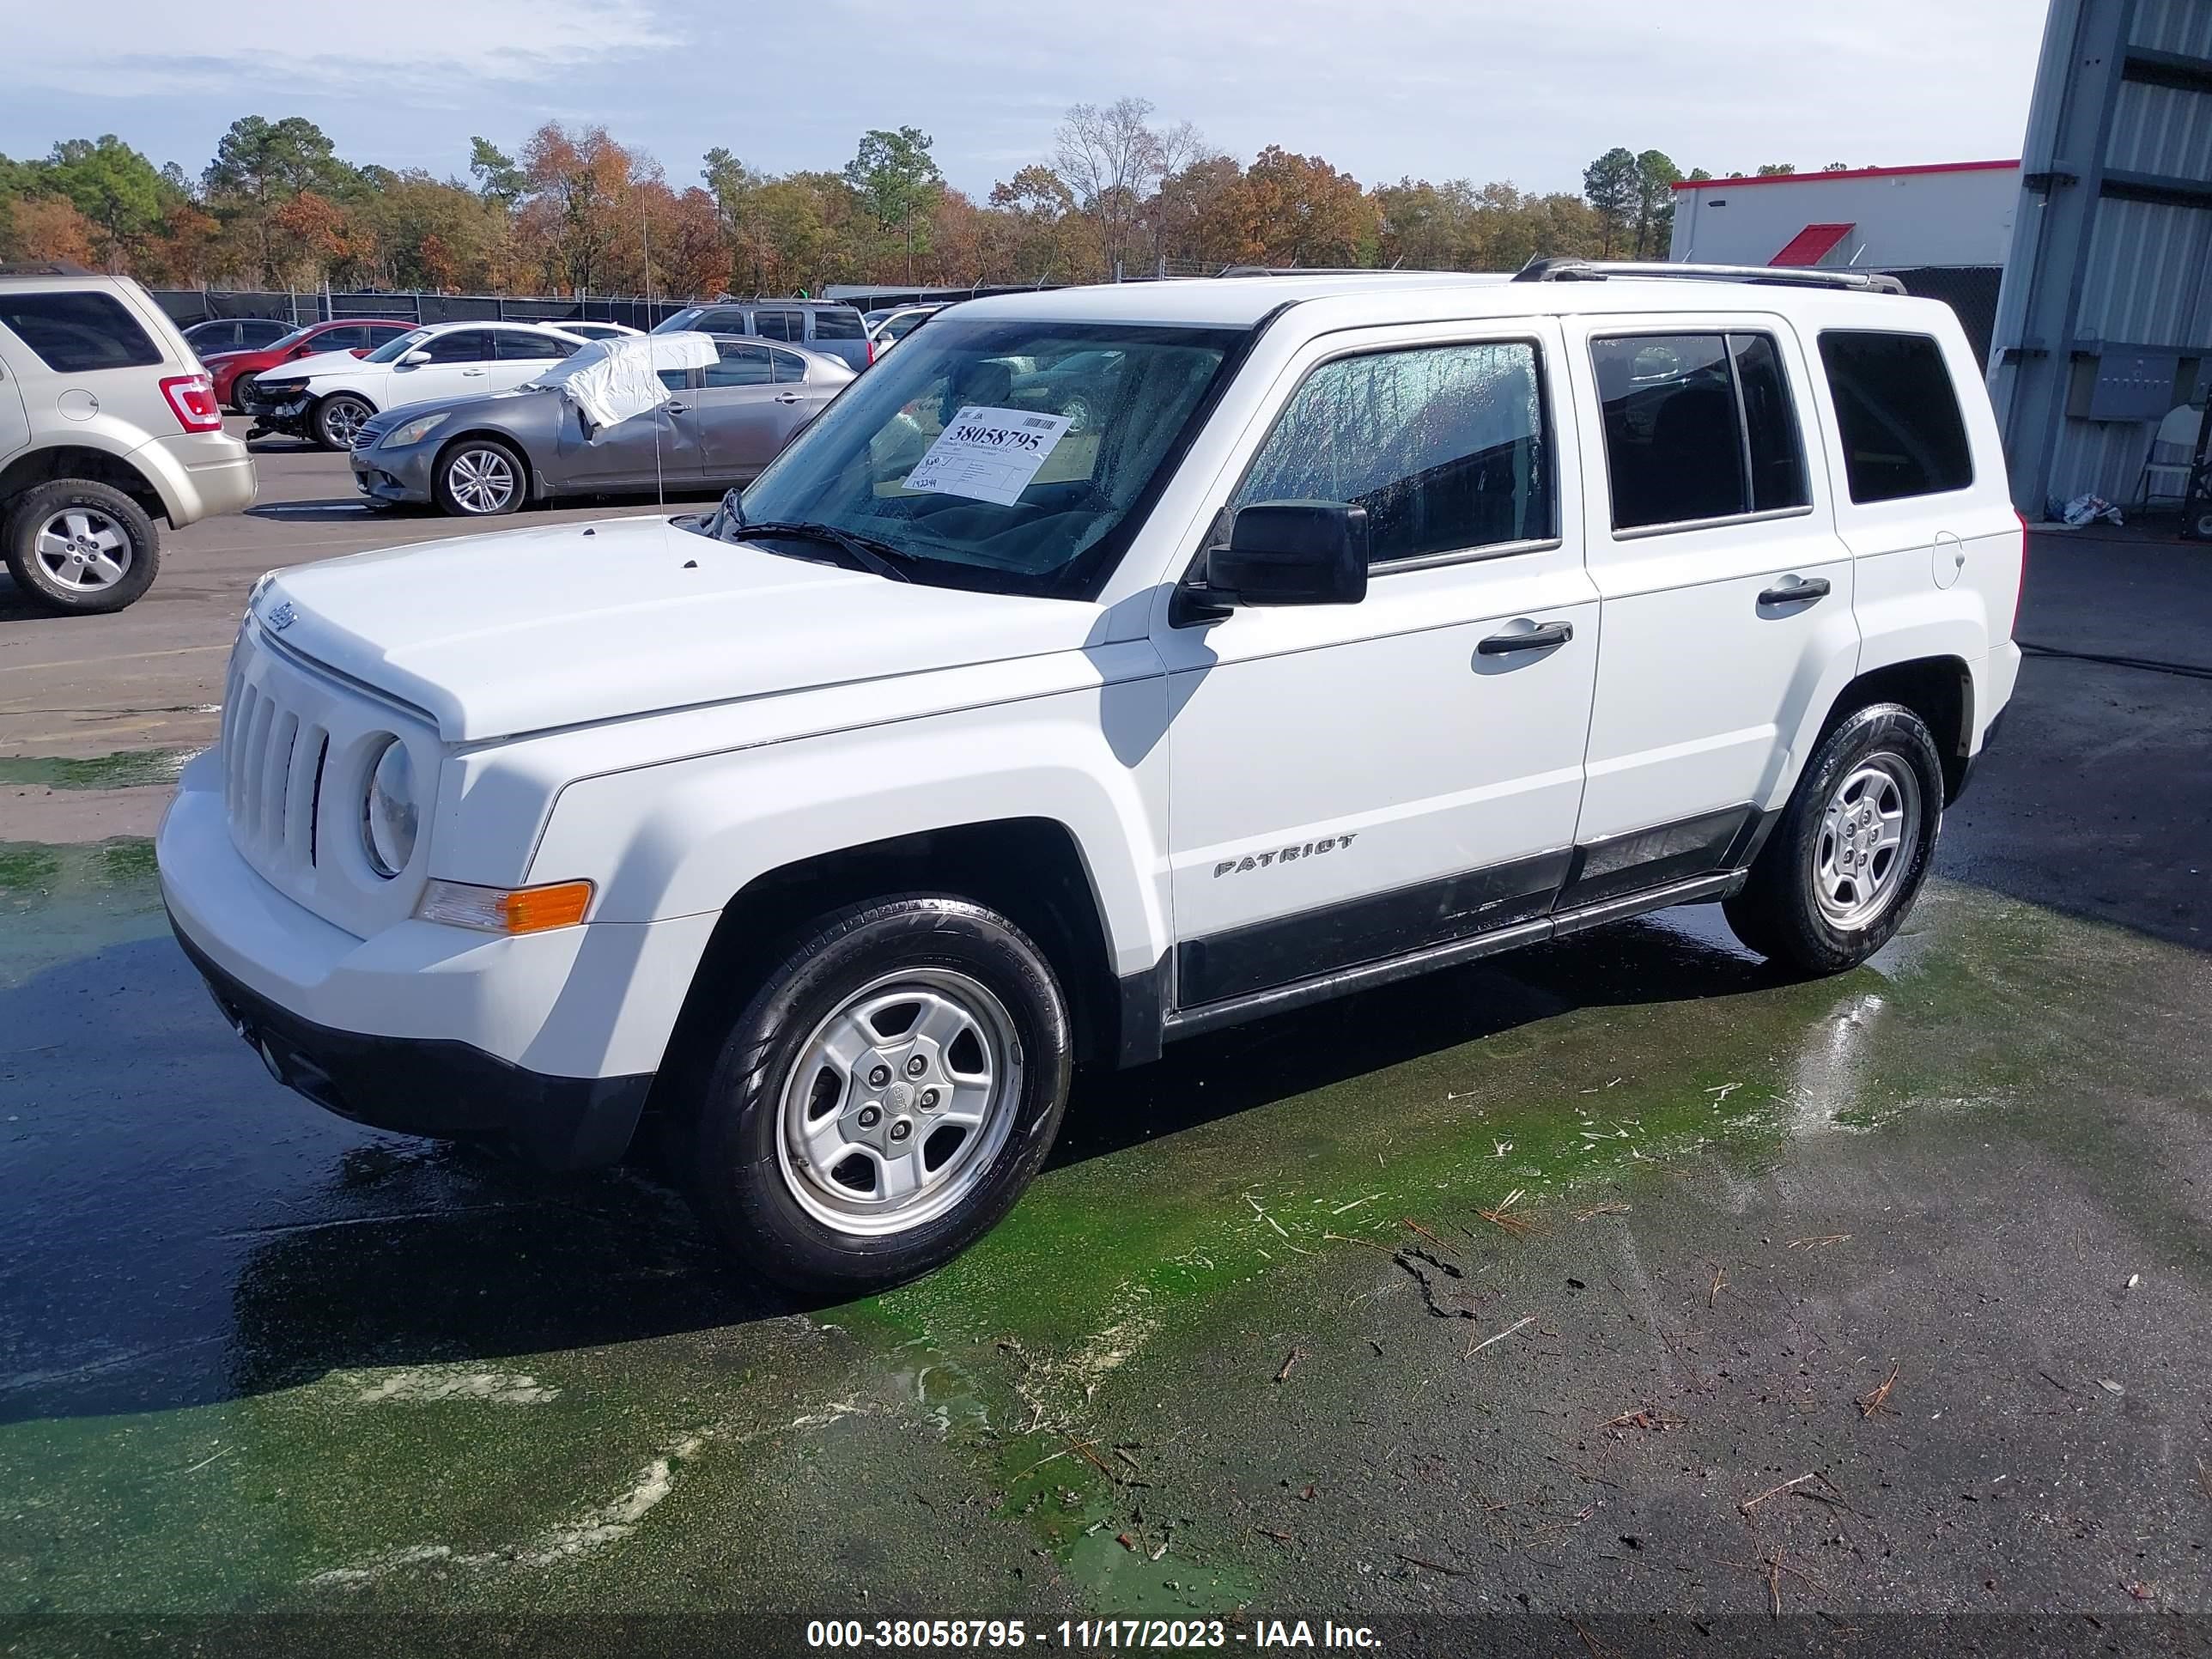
(730, 524)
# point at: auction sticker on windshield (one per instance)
(989, 454)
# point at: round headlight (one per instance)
(389, 815)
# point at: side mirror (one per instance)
(1292, 553)
(414, 359)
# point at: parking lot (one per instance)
(1627, 1272)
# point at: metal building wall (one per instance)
(2113, 244)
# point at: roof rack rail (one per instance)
(45, 268)
(1542, 270)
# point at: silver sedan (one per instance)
(482, 456)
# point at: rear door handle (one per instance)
(679, 409)
(1536, 639)
(786, 397)
(1798, 590)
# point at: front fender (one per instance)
(684, 837)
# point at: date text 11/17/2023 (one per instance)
(1085, 1635)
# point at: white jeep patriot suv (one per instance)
(1362, 625)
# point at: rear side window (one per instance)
(77, 333)
(1448, 448)
(1903, 434)
(839, 326)
(516, 344)
(790, 368)
(1698, 427)
(780, 324)
(739, 365)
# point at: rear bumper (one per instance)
(199, 475)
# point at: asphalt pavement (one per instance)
(1622, 1277)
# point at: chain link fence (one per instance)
(187, 306)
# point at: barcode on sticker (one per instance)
(1039, 423)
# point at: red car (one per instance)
(359, 335)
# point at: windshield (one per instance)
(391, 351)
(1010, 456)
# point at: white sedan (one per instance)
(327, 396)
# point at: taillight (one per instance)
(2021, 591)
(192, 397)
(872, 350)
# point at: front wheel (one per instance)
(883, 1098)
(1839, 872)
(337, 418)
(245, 386)
(479, 478)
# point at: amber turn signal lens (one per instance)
(506, 909)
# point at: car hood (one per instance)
(494, 635)
(482, 402)
(324, 362)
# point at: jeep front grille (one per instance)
(273, 776)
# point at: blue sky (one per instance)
(1528, 91)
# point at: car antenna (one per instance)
(645, 242)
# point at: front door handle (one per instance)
(472, 371)
(786, 397)
(1536, 639)
(1798, 590)
(679, 409)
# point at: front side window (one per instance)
(1698, 427)
(1446, 446)
(1047, 514)
(342, 339)
(1899, 412)
(77, 333)
(463, 345)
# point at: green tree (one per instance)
(498, 180)
(1777, 169)
(113, 186)
(1656, 175)
(898, 183)
(259, 165)
(1613, 184)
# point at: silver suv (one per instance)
(107, 422)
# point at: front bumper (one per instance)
(278, 412)
(547, 1042)
(402, 475)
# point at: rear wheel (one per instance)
(480, 478)
(1842, 869)
(883, 1098)
(79, 547)
(337, 418)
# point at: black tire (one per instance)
(111, 516)
(331, 415)
(733, 1144)
(241, 390)
(1780, 912)
(454, 492)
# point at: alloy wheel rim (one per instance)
(82, 549)
(341, 419)
(899, 1101)
(481, 480)
(1867, 832)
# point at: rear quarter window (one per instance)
(77, 333)
(839, 326)
(1899, 414)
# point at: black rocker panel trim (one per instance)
(1658, 857)
(1242, 960)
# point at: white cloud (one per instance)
(411, 50)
